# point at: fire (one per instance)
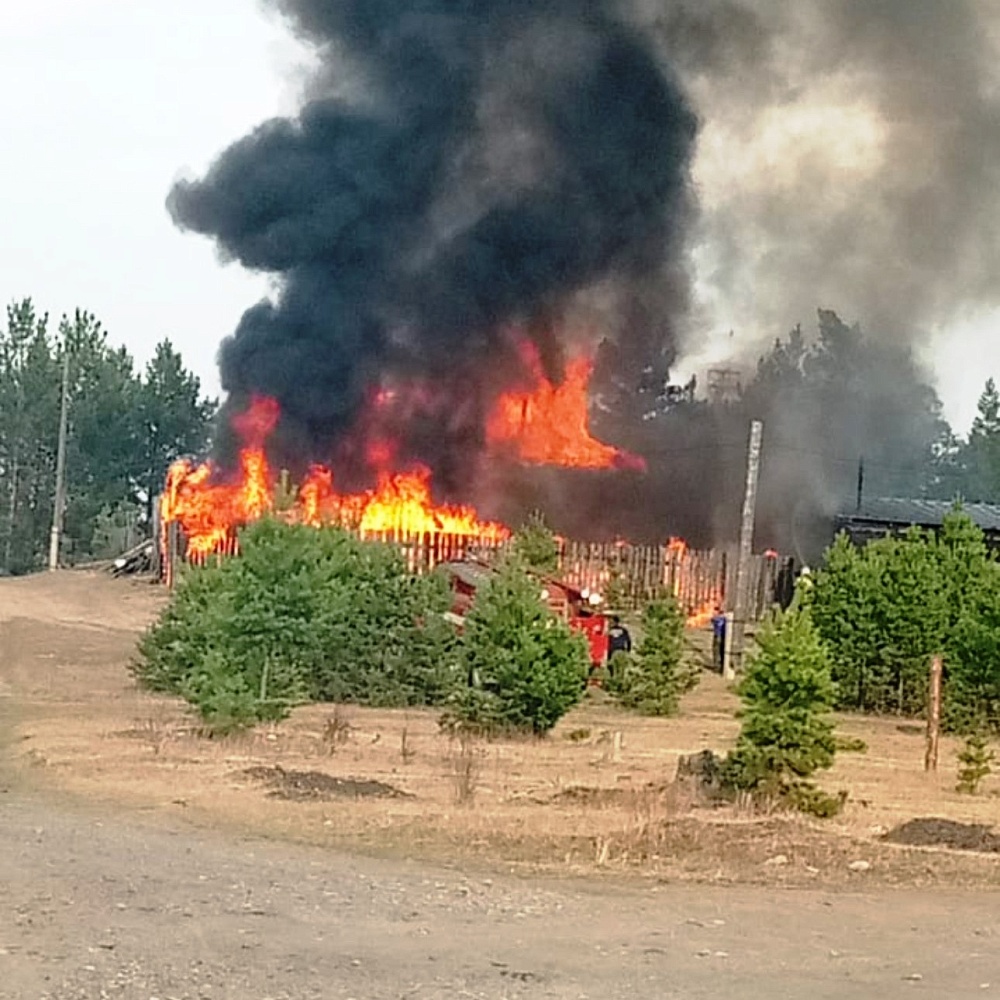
(209, 511)
(702, 616)
(549, 424)
(400, 504)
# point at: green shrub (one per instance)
(616, 592)
(653, 680)
(807, 798)
(850, 744)
(302, 613)
(222, 694)
(619, 665)
(972, 680)
(528, 667)
(536, 546)
(975, 761)
(884, 611)
(785, 735)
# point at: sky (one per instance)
(106, 103)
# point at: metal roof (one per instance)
(475, 575)
(925, 513)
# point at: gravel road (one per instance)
(95, 906)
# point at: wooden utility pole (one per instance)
(737, 638)
(60, 498)
(933, 716)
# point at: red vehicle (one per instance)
(565, 601)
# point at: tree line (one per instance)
(885, 610)
(828, 402)
(125, 427)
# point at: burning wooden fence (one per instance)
(627, 576)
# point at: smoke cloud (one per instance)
(850, 159)
(459, 169)
(652, 172)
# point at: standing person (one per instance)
(719, 639)
(619, 640)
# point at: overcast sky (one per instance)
(106, 102)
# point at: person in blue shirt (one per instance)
(719, 639)
(619, 639)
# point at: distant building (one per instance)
(881, 516)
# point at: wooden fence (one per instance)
(631, 575)
(626, 576)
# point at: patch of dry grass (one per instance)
(597, 796)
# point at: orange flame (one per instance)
(400, 504)
(702, 616)
(549, 424)
(209, 512)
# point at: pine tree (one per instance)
(983, 450)
(536, 545)
(653, 680)
(527, 665)
(787, 692)
(975, 760)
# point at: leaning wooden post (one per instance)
(933, 716)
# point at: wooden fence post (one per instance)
(156, 528)
(173, 545)
(933, 716)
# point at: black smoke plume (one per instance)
(460, 170)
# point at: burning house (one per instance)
(498, 192)
(471, 200)
(482, 215)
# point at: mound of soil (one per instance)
(933, 832)
(587, 795)
(299, 786)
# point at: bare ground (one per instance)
(579, 802)
(138, 859)
(97, 905)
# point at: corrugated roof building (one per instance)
(880, 516)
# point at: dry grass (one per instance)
(337, 729)
(465, 760)
(595, 796)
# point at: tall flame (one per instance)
(546, 425)
(549, 424)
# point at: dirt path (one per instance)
(99, 906)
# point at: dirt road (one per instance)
(99, 906)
